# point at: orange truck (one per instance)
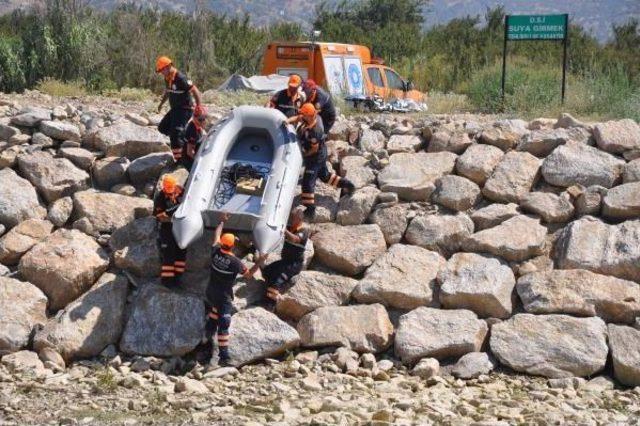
(343, 69)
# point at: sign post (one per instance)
(536, 27)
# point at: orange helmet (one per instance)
(308, 110)
(295, 81)
(227, 241)
(169, 184)
(162, 63)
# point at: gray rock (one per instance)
(110, 171)
(125, 139)
(312, 290)
(542, 142)
(348, 249)
(631, 172)
(440, 334)
(403, 278)
(577, 163)
(23, 362)
(135, 247)
(256, 334)
(493, 215)
(590, 244)
(392, 221)
(149, 331)
(42, 140)
(472, 365)
(426, 368)
(89, 324)
(589, 202)
(108, 211)
(81, 157)
(22, 307)
(54, 177)
(403, 143)
(412, 176)
(442, 233)
(550, 207)
(479, 283)
(456, 193)
(31, 117)
(372, 140)
(512, 178)
(18, 200)
(64, 266)
(327, 199)
(363, 328)
(551, 345)
(7, 132)
(478, 162)
(567, 121)
(149, 167)
(505, 139)
(517, 239)
(355, 209)
(617, 136)
(624, 343)
(60, 130)
(60, 211)
(456, 142)
(21, 238)
(357, 170)
(622, 202)
(580, 293)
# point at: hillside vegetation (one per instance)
(105, 51)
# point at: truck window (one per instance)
(393, 80)
(375, 76)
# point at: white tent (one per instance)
(257, 83)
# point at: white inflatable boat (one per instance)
(248, 167)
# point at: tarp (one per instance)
(257, 83)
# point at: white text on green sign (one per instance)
(536, 27)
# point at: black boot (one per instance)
(348, 187)
(310, 212)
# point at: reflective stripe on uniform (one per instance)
(334, 180)
(221, 271)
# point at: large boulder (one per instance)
(442, 233)
(478, 161)
(327, 200)
(550, 207)
(349, 249)
(125, 139)
(60, 130)
(580, 293)
(625, 353)
(578, 163)
(472, 365)
(108, 211)
(480, 283)
(440, 334)
(256, 334)
(60, 211)
(21, 238)
(631, 172)
(355, 209)
(372, 140)
(89, 324)
(135, 247)
(493, 215)
(31, 117)
(149, 167)
(64, 266)
(589, 243)
(22, 307)
(363, 328)
(456, 142)
(516, 239)
(542, 142)
(357, 170)
(163, 323)
(403, 143)
(503, 138)
(622, 202)
(617, 136)
(392, 220)
(551, 345)
(402, 278)
(54, 177)
(312, 290)
(80, 157)
(412, 176)
(512, 178)
(110, 171)
(456, 193)
(18, 200)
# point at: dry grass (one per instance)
(447, 103)
(230, 99)
(128, 94)
(53, 87)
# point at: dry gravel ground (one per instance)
(291, 392)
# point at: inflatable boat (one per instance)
(248, 168)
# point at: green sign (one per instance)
(536, 27)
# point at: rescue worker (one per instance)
(225, 268)
(323, 103)
(165, 203)
(179, 90)
(289, 100)
(193, 136)
(280, 272)
(312, 137)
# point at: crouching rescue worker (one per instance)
(193, 136)
(280, 272)
(289, 100)
(312, 137)
(322, 101)
(225, 267)
(179, 90)
(165, 203)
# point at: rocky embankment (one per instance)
(473, 251)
